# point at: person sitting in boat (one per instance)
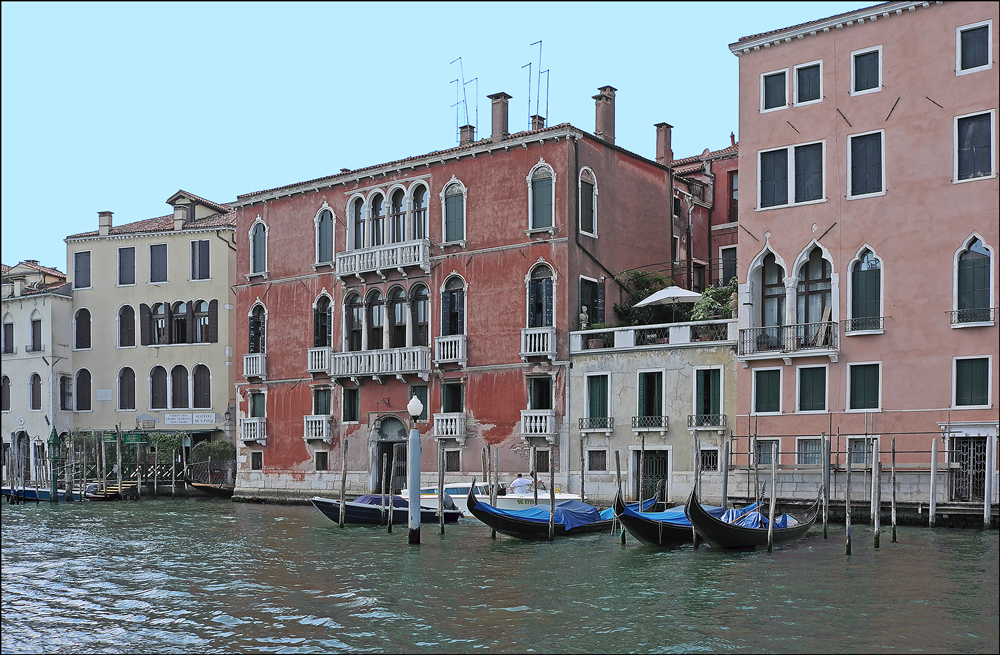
(519, 485)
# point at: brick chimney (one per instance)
(500, 115)
(664, 155)
(466, 134)
(104, 223)
(606, 113)
(180, 216)
(537, 122)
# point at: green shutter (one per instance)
(864, 386)
(812, 389)
(598, 396)
(768, 391)
(453, 210)
(971, 381)
(541, 203)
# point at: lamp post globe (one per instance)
(415, 408)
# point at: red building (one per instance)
(455, 276)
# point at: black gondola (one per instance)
(669, 528)
(369, 510)
(721, 534)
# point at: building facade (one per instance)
(869, 236)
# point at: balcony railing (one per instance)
(706, 421)
(450, 425)
(800, 337)
(597, 424)
(538, 342)
(391, 361)
(318, 426)
(450, 350)
(709, 332)
(650, 423)
(255, 365)
(318, 360)
(654, 336)
(254, 429)
(538, 423)
(381, 258)
(864, 324)
(973, 315)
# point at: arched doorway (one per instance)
(389, 432)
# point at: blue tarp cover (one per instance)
(609, 513)
(750, 517)
(569, 513)
(376, 499)
(675, 515)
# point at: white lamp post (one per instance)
(415, 408)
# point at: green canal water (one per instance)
(176, 576)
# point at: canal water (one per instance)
(213, 576)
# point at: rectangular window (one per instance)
(351, 408)
(812, 389)
(866, 71)
(972, 382)
(66, 393)
(774, 178)
(809, 172)
(675, 247)
(452, 398)
(81, 270)
(860, 450)
(420, 391)
(708, 396)
(773, 91)
(453, 461)
(126, 266)
(808, 85)
(541, 461)
(199, 260)
(158, 263)
(454, 210)
(36, 335)
(321, 402)
(810, 451)
(728, 264)
(734, 196)
(767, 391)
(865, 163)
(257, 460)
(974, 45)
(974, 146)
(8, 338)
(650, 409)
(540, 393)
(587, 223)
(591, 301)
(322, 460)
(597, 396)
(597, 461)
(864, 386)
(257, 405)
(710, 460)
(799, 176)
(765, 448)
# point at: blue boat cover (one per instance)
(750, 517)
(609, 513)
(675, 515)
(569, 513)
(376, 499)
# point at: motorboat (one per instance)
(372, 509)
(507, 498)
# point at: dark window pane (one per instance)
(971, 381)
(767, 391)
(453, 221)
(81, 270)
(200, 260)
(774, 178)
(975, 47)
(597, 460)
(812, 389)
(453, 461)
(974, 158)
(866, 71)
(322, 460)
(809, 172)
(866, 164)
(126, 266)
(864, 386)
(158, 263)
(350, 406)
(774, 91)
(587, 207)
(807, 83)
(541, 199)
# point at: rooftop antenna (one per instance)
(538, 90)
(546, 71)
(462, 101)
(476, 80)
(528, 66)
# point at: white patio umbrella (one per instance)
(669, 296)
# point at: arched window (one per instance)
(813, 295)
(126, 327)
(420, 212)
(541, 198)
(420, 313)
(181, 323)
(454, 213)
(258, 248)
(588, 202)
(866, 293)
(324, 237)
(179, 388)
(772, 307)
(158, 388)
(257, 329)
(82, 322)
(35, 392)
(4, 394)
(397, 217)
(358, 223)
(321, 323)
(126, 389)
(375, 320)
(973, 283)
(202, 322)
(397, 318)
(377, 221)
(202, 387)
(83, 403)
(540, 297)
(159, 324)
(355, 320)
(453, 307)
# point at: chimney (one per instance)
(18, 286)
(466, 134)
(732, 139)
(606, 113)
(664, 155)
(104, 223)
(500, 115)
(180, 215)
(537, 122)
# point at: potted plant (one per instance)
(595, 341)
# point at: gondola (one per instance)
(572, 517)
(668, 528)
(217, 490)
(722, 534)
(369, 510)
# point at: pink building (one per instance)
(869, 233)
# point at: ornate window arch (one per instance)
(541, 197)
(354, 322)
(396, 310)
(540, 281)
(588, 201)
(375, 315)
(814, 297)
(257, 330)
(419, 314)
(454, 197)
(453, 306)
(356, 222)
(323, 321)
(397, 214)
(766, 291)
(973, 292)
(258, 247)
(324, 223)
(376, 218)
(864, 293)
(419, 197)
(181, 322)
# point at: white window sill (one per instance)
(866, 195)
(807, 102)
(971, 324)
(866, 91)
(859, 333)
(771, 109)
(977, 69)
(992, 175)
(877, 410)
(539, 230)
(791, 204)
(264, 275)
(444, 244)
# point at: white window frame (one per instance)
(958, 47)
(790, 159)
(76, 389)
(993, 147)
(989, 382)
(444, 210)
(864, 51)
(798, 440)
(847, 388)
(76, 348)
(444, 464)
(580, 201)
(718, 457)
(850, 289)
(531, 200)
(136, 337)
(754, 458)
(411, 217)
(694, 387)
(90, 256)
(734, 248)
(966, 243)
(118, 390)
(343, 391)
(795, 83)
(118, 268)
(850, 179)
(869, 441)
(753, 391)
(149, 272)
(769, 74)
(333, 236)
(826, 389)
(586, 388)
(192, 278)
(263, 269)
(606, 461)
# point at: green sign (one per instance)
(132, 437)
(109, 437)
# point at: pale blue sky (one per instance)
(116, 106)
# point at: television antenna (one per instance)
(461, 98)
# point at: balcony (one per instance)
(650, 424)
(864, 325)
(253, 429)
(450, 425)
(318, 360)
(605, 424)
(654, 336)
(787, 341)
(707, 422)
(255, 366)
(450, 350)
(977, 316)
(318, 427)
(377, 364)
(538, 342)
(378, 259)
(538, 423)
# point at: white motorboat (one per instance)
(516, 498)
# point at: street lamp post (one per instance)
(415, 408)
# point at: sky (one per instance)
(117, 106)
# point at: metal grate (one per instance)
(968, 480)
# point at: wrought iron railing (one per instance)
(709, 332)
(789, 338)
(597, 423)
(973, 315)
(652, 336)
(706, 420)
(650, 422)
(864, 324)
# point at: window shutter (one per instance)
(587, 207)
(643, 381)
(446, 313)
(453, 217)
(317, 327)
(547, 287)
(598, 401)
(252, 334)
(773, 391)
(808, 172)
(213, 321)
(715, 391)
(599, 303)
(532, 294)
(189, 321)
(541, 200)
(145, 321)
(774, 178)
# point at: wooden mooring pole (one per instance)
(618, 468)
(847, 507)
(552, 495)
(991, 444)
(826, 483)
(173, 473)
(385, 474)
(725, 474)
(534, 474)
(933, 504)
(440, 487)
(774, 486)
(391, 489)
(486, 479)
(892, 481)
(343, 483)
(877, 514)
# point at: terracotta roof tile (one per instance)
(165, 224)
(818, 20)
